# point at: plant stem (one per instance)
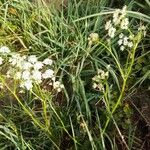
(30, 114)
(117, 63)
(124, 84)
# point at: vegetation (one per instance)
(76, 76)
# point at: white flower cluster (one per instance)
(99, 80)
(28, 70)
(125, 41)
(122, 22)
(3, 51)
(93, 38)
(119, 20)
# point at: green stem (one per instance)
(123, 86)
(117, 63)
(116, 105)
(30, 114)
(44, 99)
(25, 109)
(44, 105)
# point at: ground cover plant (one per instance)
(74, 76)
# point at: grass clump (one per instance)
(74, 73)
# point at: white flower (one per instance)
(121, 35)
(120, 41)
(24, 57)
(16, 59)
(125, 40)
(108, 25)
(4, 50)
(111, 32)
(53, 78)
(106, 74)
(48, 74)
(15, 55)
(8, 74)
(26, 65)
(116, 13)
(100, 71)
(28, 70)
(1, 60)
(38, 65)
(116, 18)
(100, 87)
(37, 76)
(13, 61)
(124, 11)
(124, 23)
(130, 44)
(27, 84)
(101, 75)
(26, 75)
(61, 86)
(95, 85)
(58, 86)
(93, 38)
(47, 61)
(59, 89)
(17, 75)
(32, 59)
(122, 48)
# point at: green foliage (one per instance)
(79, 117)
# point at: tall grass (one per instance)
(78, 117)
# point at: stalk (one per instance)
(125, 79)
